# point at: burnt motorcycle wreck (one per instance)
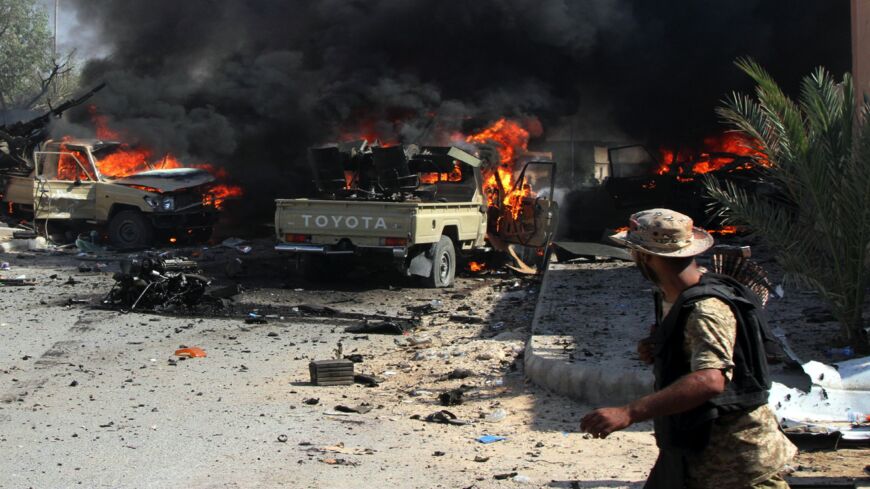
(151, 282)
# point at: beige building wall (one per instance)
(861, 46)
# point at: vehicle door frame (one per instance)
(64, 199)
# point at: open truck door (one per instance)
(63, 185)
(527, 214)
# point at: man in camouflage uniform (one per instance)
(712, 423)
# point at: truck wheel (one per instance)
(443, 264)
(130, 230)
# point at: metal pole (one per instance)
(56, 10)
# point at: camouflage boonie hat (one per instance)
(664, 232)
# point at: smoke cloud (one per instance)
(250, 85)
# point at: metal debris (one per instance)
(149, 281)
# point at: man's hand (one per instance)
(604, 421)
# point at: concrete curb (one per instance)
(548, 363)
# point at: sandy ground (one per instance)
(96, 398)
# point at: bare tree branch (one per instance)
(59, 69)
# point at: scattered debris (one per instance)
(311, 401)
(237, 244)
(380, 327)
(20, 281)
(367, 380)
(338, 461)
(361, 409)
(460, 318)
(190, 352)
(833, 404)
(486, 439)
(355, 358)
(419, 342)
(89, 243)
(24, 234)
(480, 459)
(452, 397)
(460, 373)
(255, 318)
(234, 268)
(444, 417)
(151, 282)
(521, 479)
(317, 310)
(331, 372)
(502, 477)
(496, 416)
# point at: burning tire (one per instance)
(130, 230)
(443, 264)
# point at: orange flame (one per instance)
(724, 230)
(510, 140)
(474, 266)
(707, 160)
(127, 161)
(455, 175)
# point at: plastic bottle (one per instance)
(856, 417)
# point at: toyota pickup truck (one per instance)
(421, 208)
(64, 191)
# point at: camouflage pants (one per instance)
(775, 482)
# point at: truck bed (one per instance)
(366, 223)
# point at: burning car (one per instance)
(76, 184)
(638, 178)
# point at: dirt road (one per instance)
(96, 398)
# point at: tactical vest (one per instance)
(750, 382)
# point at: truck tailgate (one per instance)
(343, 219)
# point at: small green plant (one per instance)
(812, 203)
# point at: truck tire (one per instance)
(130, 230)
(443, 264)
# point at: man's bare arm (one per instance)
(687, 393)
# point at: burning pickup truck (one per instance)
(420, 207)
(70, 187)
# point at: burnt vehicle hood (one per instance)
(168, 180)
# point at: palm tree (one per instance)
(817, 218)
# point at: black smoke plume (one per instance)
(250, 85)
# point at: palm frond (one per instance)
(813, 204)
